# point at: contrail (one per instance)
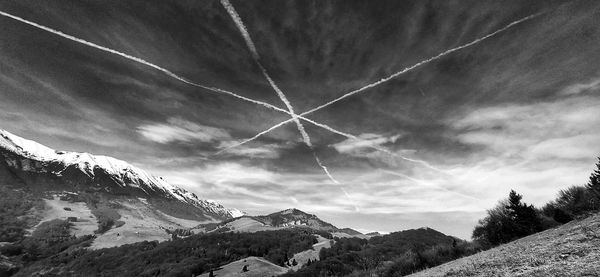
(254, 137)
(449, 51)
(325, 169)
(421, 182)
(141, 61)
(356, 208)
(353, 137)
(242, 28)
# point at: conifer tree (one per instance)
(594, 184)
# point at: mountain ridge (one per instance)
(42, 159)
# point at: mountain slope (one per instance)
(111, 193)
(569, 250)
(295, 217)
(290, 218)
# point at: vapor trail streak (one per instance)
(353, 137)
(449, 51)
(242, 28)
(141, 61)
(421, 182)
(356, 208)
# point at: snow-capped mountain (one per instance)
(84, 171)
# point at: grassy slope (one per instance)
(257, 267)
(313, 254)
(572, 249)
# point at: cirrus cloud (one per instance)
(177, 129)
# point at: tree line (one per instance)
(512, 219)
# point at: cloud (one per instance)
(181, 130)
(535, 131)
(591, 86)
(536, 148)
(266, 151)
(360, 147)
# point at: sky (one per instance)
(435, 146)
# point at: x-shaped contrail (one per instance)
(384, 80)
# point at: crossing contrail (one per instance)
(141, 61)
(248, 39)
(442, 54)
(421, 182)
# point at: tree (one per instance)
(245, 268)
(575, 200)
(524, 217)
(594, 184)
(509, 220)
(211, 274)
(294, 262)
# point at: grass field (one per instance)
(86, 222)
(572, 249)
(257, 267)
(313, 254)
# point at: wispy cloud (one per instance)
(265, 151)
(181, 130)
(533, 131)
(535, 148)
(366, 143)
(591, 86)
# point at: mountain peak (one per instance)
(291, 211)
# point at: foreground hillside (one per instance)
(572, 249)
